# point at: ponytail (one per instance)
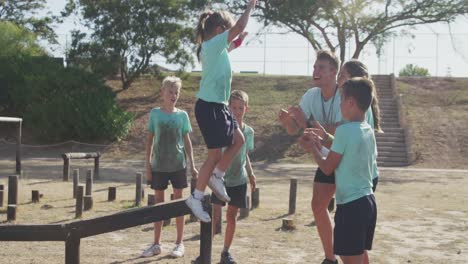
(376, 112)
(201, 30)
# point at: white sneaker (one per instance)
(217, 185)
(197, 209)
(178, 251)
(151, 251)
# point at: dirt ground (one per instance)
(422, 217)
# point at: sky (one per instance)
(432, 47)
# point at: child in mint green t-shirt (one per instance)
(353, 158)
(168, 146)
(237, 175)
(216, 31)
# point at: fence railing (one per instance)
(72, 233)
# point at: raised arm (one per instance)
(189, 154)
(242, 22)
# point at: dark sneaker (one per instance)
(327, 261)
(226, 258)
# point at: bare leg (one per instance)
(180, 219)
(214, 155)
(159, 196)
(352, 259)
(322, 195)
(365, 257)
(231, 219)
(231, 151)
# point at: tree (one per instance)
(25, 14)
(17, 41)
(411, 70)
(328, 24)
(129, 33)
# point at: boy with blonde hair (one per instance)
(167, 147)
(236, 175)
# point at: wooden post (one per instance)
(292, 196)
(72, 249)
(11, 212)
(206, 235)
(331, 205)
(168, 221)
(13, 190)
(35, 196)
(66, 168)
(96, 166)
(151, 199)
(2, 190)
(76, 181)
(255, 198)
(112, 193)
(244, 212)
(288, 224)
(193, 185)
(89, 182)
(139, 177)
(18, 149)
(79, 201)
(219, 223)
(87, 202)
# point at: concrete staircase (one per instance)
(392, 144)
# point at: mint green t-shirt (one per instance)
(236, 174)
(215, 84)
(355, 141)
(311, 105)
(326, 112)
(169, 130)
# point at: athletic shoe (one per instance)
(327, 261)
(226, 258)
(217, 185)
(197, 209)
(151, 251)
(178, 251)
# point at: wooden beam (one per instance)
(32, 233)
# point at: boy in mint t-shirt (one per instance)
(236, 177)
(353, 159)
(167, 146)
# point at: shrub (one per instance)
(413, 70)
(60, 103)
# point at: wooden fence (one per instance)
(72, 233)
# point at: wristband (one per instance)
(238, 42)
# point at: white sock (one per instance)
(198, 194)
(219, 173)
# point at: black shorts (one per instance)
(161, 179)
(375, 181)
(354, 226)
(323, 178)
(216, 122)
(238, 195)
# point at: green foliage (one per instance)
(15, 41)
(413, 70)
(127, 34)
(61, 103)
(25, 14)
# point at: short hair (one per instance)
(361, 89)
(171, 81)
(330, 57)
(239, 95)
